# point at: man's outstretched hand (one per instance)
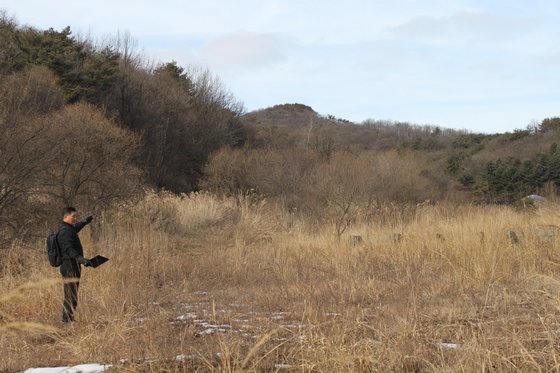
(89, 219)
(84, 261)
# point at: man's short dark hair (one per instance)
(68, 210)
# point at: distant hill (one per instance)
(498, 165)
(300, 125)
(286, 115)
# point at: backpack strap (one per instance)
(58, 243)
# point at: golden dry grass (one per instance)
(202, 283)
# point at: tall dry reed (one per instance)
(425, 288)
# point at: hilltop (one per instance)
(298, 124)
(465, 164)
(301, 123)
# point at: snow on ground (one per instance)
(181, 358)
(187, 316)
(449, 346)
(84, 368)
(282, 366)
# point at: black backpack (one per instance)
(55, 256)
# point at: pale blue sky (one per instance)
(488, 66)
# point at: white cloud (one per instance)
(463, 27)
(242, 50)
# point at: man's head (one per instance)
(69, 215)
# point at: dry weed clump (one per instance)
(204, 283)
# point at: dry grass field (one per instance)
(202, 283)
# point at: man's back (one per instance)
(69, 242)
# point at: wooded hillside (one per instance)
(92, 124)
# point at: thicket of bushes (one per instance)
(339, 188)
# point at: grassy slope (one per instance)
(284, 291)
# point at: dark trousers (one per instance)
(70, 270)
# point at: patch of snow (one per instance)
(186, 316)
(201, 293)
(206, 324)
(208, 331)
(553, 332)
(84, 368)
(182, 358)
(449, 346)
(211, 329)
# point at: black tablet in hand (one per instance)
(98, 260)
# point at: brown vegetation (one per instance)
(341, 187)
(52, 155)
(461, 166)
(204, 283)
(319, 244)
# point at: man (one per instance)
(72, 254)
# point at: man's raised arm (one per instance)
(81, 224)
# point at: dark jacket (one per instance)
(69, 242)
(71, 249)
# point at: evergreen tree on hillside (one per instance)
(549, 124)
(511, 178)
(84, 72)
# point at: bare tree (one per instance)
(34, 91)
(92, 165)
(24, 149)
(342, 187)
